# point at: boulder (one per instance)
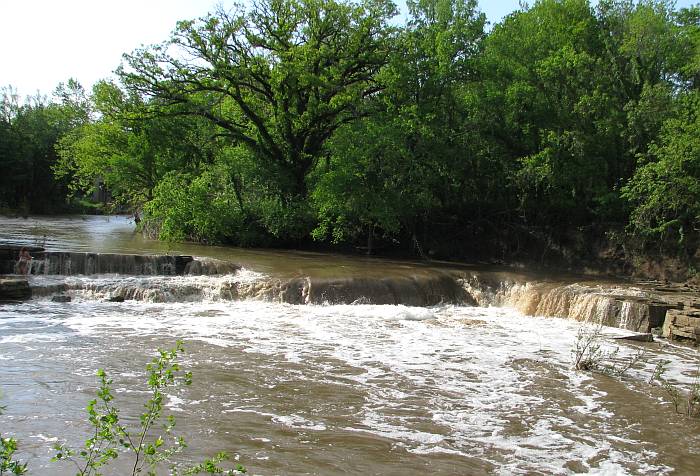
(682, 324)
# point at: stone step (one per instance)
(686, 332)
(14, 289)
(684, 319)
(682, 323)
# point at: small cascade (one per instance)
(156, 289)
(626, 308)
(88, 264)
(406, 290)
(248, 285)
(409, 291)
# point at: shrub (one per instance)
(685, 402)
(8, 465)
(590, 355)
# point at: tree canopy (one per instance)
(279, 78)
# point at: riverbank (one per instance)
(583, 254)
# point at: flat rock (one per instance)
(637, 337)
(14, 289)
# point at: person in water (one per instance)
(24, 259)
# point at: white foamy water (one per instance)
(144, 288)
(449, 383)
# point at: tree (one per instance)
(402, 169)
(665, 189)
(362, 190)
(28, 134)
(280, 78)
(129, 151)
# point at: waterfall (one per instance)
(71, 264)
(626, 308)
(151, 278)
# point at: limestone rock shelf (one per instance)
(14, 289)
(683, 317)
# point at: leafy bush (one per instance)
(187, 207)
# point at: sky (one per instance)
(44, 42)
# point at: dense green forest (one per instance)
(564, 132)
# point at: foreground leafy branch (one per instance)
(8, 465)
(149, 448)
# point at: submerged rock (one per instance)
(61, 298)
(637, 337)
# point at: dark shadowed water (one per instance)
(329, 388)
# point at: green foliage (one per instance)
(8, 446)
(149, 448)
(187, 207)
(551, 87)
(8, 465)
(408, 163)
(211, 466)
(128, 151)
(374, 166)
(665, 190)
(28, 134)
(278, 78)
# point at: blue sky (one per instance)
(48, 41)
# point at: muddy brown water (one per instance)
(329, 388)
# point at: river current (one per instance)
(328, 388)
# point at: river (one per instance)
(328, 388)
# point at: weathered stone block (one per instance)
(14, 289)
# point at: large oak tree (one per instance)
(280, 77)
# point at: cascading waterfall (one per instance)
(247, 285)
(70, 264)
(167, 278)
(626, 308)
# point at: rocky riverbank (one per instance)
(682, 320)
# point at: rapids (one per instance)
(301, 366)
